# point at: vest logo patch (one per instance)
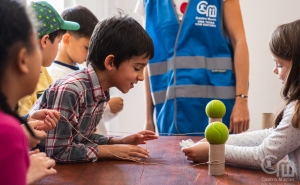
(210, 12)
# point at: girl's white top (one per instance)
(264, 148)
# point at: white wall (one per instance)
(260, 19)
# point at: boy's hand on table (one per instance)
(122, 152)
(197, 152)
(135, 139)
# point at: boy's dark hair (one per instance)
(84, 17)
(121, 36)
(55, 34)
(284, 43)
(16, 30)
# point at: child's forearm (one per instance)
(103, 152)
(115, 140)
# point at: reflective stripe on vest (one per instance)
(193, 91)
(216, 64)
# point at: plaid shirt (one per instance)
(81, 100)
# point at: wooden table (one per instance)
(175, 170)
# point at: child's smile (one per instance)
(130, 72)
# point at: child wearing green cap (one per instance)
(52, 27)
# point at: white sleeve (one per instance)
(101, 129)
(139, 9)
(53, 72)
(280, 142)
(254, 138)
(107, 114)
(106, 117)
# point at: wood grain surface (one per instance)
(174, 170)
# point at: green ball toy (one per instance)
(215, 109)
(216, 133)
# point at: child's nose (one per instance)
(141, 77)
(275, 70)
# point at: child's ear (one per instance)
(66, 38)
(109, 62)
(43, 41)
(22, 61)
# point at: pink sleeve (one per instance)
(14, 157)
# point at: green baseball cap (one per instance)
(49, 19)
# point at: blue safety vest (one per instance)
(192, 64)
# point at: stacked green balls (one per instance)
(215, 109)
(216, 133)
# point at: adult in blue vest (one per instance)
(200, 55)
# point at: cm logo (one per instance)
(205, 9)
(282, 168)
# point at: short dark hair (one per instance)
(84, 17)
(55, 34)
(121, 36)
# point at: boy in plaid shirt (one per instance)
(118, 53)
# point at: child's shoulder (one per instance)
(289, 110)
(76, 80)
(12, 134)
(291, 105)
(4, 118)
(9, 124)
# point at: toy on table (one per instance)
(215, 110)
(216, 133)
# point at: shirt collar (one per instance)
(99, 94)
